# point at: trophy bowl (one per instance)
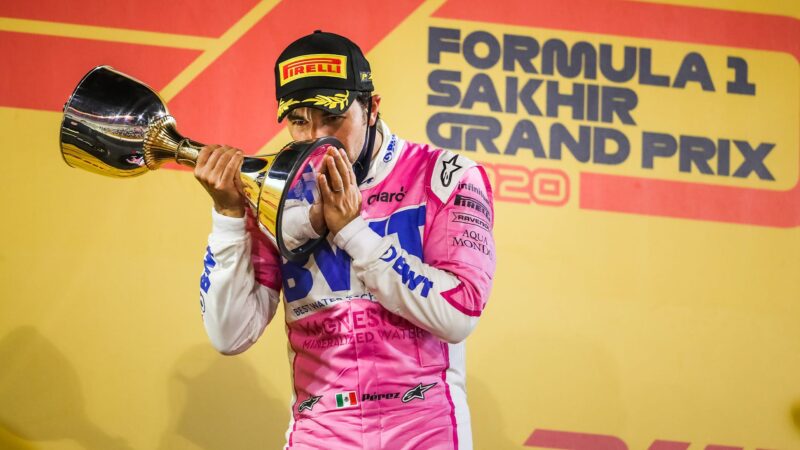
(117, 126)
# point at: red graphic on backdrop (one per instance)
(240, 85)
(232, 101)
(519, 184)
(41, 71)
(647, 196)
(198, 18)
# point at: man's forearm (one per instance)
(236, 307)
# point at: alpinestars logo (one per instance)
(308, 404)
(417, 392)
(449, 167)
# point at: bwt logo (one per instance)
(512, 183)
(410, 279)
(205, 282)
(208, 263)
(334, 263)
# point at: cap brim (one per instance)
(334, 101)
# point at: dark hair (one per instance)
(364, 97)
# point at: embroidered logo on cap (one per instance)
(317, 65)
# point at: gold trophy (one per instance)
(117, 126)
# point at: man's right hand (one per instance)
(317, 218)
(217, 169)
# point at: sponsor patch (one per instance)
(409, 277)
(205, 281)
(334, 263)
(472, 203)
(449, 167)
(390, 149)
(476, 189)
(346, 399)
(208, 263)
(316, 65)
(417, 392)
(474, 241)
(308, 404)
(469, 219)
(387, 197)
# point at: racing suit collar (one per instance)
(386, 157)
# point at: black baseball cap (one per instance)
(322, 70)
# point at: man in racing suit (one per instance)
(377, 315)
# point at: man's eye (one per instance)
(332, 119)
(298, 122)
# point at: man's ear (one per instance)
(376, 106)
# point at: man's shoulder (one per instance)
(444, 168)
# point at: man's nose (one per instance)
(318, 132)
(311, 133)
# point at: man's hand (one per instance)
(317, 218)
(217, 169)
(341, 199)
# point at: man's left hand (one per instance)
(341, 199)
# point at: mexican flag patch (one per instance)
(346, 399)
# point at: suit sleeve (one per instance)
(297, 229)
(446, 293)
(239, 287)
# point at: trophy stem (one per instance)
(163, 143)
(187, 152)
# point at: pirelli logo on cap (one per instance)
(319, 65)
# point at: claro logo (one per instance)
(387, 197)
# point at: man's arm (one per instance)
(239, 288)
(241, 274)
(447, 293)
(302, 210)
(297, 228)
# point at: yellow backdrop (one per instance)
(633, 307)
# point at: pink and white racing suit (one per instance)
(377, 316)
